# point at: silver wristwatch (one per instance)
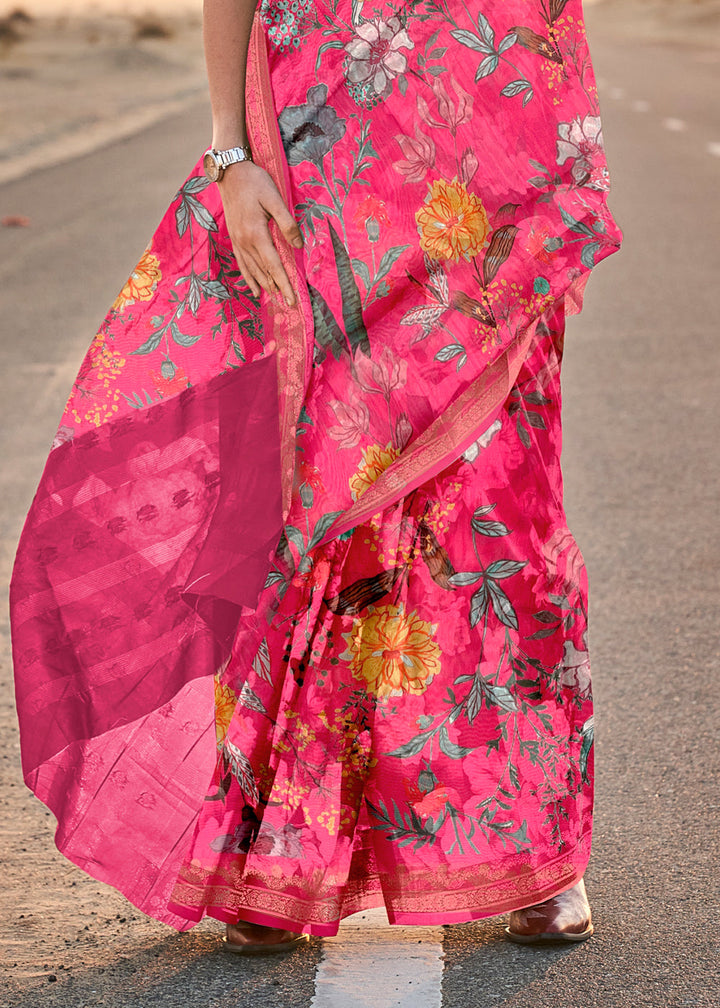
(216, 161)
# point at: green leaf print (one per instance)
(182, 218)
(463, 578)
(501, 697)
(215, 289)
(486, 693)
(488, 33)
(588, 735)
(413, 747)
(449, 748)
(196, 184)
(201, 214)
(505, 568)
(363, 271)
(333, 44)
(351, 301)
(516, 87)
(472, 41)
(249, 698)
(322, 526)
(587, 256)
(182, 339)
(447, 353)
(502, 606)
(261, 665)
(518, 837)
(478, 605)
(545, 616)
(575, 225)
(488, 66)
(328, 334)
(491, 529)
(388, 261)
(150, 344)
(406, 829)
(242, 771)
(295, 536)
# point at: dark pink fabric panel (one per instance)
(124, 519)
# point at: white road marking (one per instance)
(675, 125)
(640, 105)
(96, 135)
(371, 964)
(714, 148)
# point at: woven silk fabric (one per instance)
(298, 624)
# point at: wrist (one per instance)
(215, 161)
(227, 141)
(229, 133)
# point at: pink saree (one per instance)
(298, 624)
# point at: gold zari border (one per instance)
(288, 327)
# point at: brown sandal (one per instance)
(244, 938)
(564, 918)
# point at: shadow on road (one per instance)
(180, 970)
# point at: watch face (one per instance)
(211, 167)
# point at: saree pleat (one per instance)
(298, 624)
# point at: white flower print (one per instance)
(575, 672)
(375, 56)
(582, 140)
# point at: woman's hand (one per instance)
(250, 200)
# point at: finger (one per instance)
(285, 221)
(267, 270)
(272, 263)
(261, 272)
(252, 267)
(246, 273)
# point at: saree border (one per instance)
(445, 439)
(290, 328)
(428, 896)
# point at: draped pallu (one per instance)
(298, 624)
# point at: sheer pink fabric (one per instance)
(298, 624)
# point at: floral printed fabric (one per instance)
(405, 714)
(414, 726)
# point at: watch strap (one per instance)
(233, 155)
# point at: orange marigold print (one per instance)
(452, 222)
(375, 461)
(391, 652)
(141, 283)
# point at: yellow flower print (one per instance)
(94, 400)
(452, 222)
(141, 283)
(392, 652)
(328, 819)
(225, 703)
(375, 461)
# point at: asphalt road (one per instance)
(642, 485)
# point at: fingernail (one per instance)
(298, 243)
